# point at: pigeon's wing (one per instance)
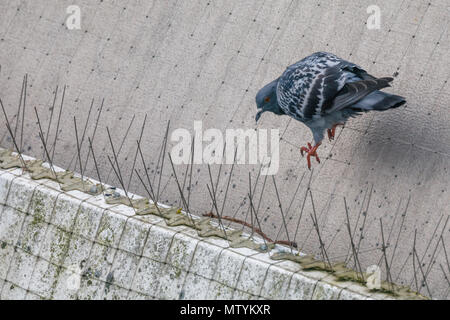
(356, 70)
(309, 87)
(352, 92)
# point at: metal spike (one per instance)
(316, 225)
(303, 207)
(388, 269)
(78, 150)
(281, 211)
(95, 131)
(51, 118)
(217, 211)
(257, 219)
(135, 156)
(13, 137)
(57, 125)
(121, 144)
(181, 191)
(41, 136)
(163, 158)
(96, 165)
(23, 111)
(74, 157)
(19, 108)
(355, 253)
(400, 230)
(118, 172)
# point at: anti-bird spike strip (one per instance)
(68, 181)
(172, 217)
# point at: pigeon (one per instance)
(323, 91)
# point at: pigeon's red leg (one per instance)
(311, 151)
(332, 132)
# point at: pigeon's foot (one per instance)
(332, 132)
(310, 151)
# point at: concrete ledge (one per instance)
(72, 245)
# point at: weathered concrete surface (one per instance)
(68, 245)
(205, 60)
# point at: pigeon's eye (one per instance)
(267, 99)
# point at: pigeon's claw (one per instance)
(305, 149)
(310, 151)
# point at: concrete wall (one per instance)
(205, 60)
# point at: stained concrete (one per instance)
(205, 60)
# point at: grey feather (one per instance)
(352, 92)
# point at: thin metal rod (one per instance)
(355, 254)
(421, 260)
(316, 225)
(96, 165)
(151, 193)
(95, 130)
(358, 218)
(228, 185)
(19, 108)
(257, 219)
(121, 183)
(163, 158)
(41, 136)
(282, 214)
(220, 170)
(74, 157)
(190, 171)
(290, 205)
(361, 233)
(251, 208)
(51, 118)
(445, 275)
(13, 137)
(57, 125)
(135, 156)
(303, 206)
(78, 149)
(400, 230)
(146, 172)
(23, 111)
(445, 253)
(414, 261)
(388, 269)
(118, 172)
(423, 275)
(432, 261)
(217, 211)
(122, 143)
(181, 191)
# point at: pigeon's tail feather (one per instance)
(379, 101)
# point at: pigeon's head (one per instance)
(266, 100)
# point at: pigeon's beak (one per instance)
(258, 115)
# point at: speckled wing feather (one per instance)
(307, 88)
